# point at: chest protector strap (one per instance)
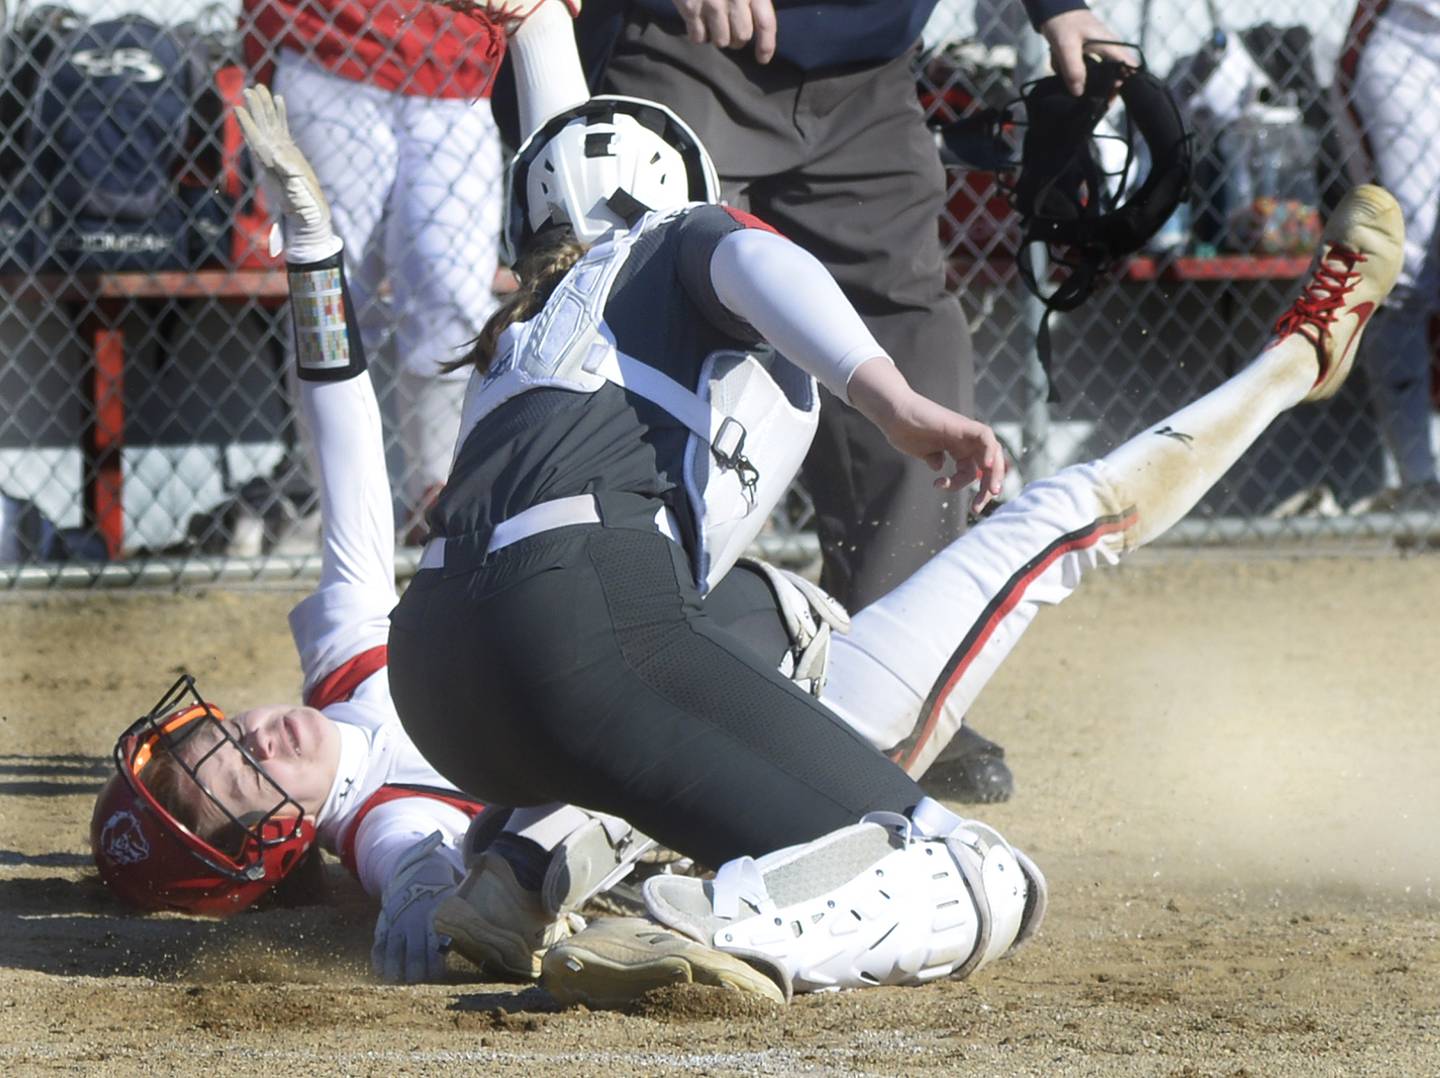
(752, 414)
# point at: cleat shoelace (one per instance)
(1319, 303)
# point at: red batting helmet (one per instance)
(154, 861)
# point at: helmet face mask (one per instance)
(601, 165)
(154, 860)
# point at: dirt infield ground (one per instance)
(1229, 768)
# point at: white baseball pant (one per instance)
(415, 188)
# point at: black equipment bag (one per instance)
(1063, 195)
(106, 133)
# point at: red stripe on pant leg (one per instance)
(1008, 598)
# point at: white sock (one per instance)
(1167, 469)
(548, 76)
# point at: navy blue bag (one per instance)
(25, 49)
(106, 135)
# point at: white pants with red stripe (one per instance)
(915, 660)
(415, 186)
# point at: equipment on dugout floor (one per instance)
(120, 150)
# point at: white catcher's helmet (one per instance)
(602, 164)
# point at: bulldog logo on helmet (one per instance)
(122, 839)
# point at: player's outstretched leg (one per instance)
(1167, 469)
(914, 661)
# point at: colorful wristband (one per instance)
(327, 336)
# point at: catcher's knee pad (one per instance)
(891, 900)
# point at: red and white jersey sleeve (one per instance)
(406, 46)
(386, 796)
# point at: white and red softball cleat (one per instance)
(1352, 273)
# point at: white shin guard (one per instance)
(890, 900)
(589, 852)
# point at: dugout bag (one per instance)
(105, 136)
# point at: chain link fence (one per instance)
(146, 429)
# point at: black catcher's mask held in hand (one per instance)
(1089, 218)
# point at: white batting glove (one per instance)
(291, 188)
(407, 948)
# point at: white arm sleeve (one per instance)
(350, 607)
(392, 828)
(355, 506)
(792, 301)
(548, 76)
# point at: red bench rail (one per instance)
(98, 301)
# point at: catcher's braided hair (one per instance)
(541, 265)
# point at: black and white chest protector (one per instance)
(751, 413)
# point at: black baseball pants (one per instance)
(580, 665)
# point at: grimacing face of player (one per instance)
(298, 747)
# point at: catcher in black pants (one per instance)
(638, 407)
(635, 412)
(817, 130)
(609, 685)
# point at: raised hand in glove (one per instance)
(289, 181)
(407, 947)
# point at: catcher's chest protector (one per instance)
(751, 414)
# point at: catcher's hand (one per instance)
(921, 428)
(289, 181)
